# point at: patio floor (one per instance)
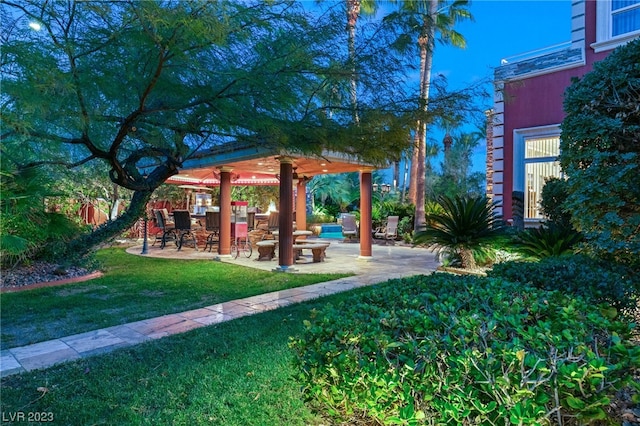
(387, 262)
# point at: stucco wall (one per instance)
(531, 94)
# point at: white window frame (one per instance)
(604, 27)
(520, 137)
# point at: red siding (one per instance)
(538, 101)
(532, 102)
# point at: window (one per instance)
(617, 21)
(625, 16)
(535, 159)
(540, 162)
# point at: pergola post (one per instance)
(224, 244)
(365, 214)
(285, 219)
(301, 205)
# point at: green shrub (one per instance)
(600, 154)
(382, 209)
(27, 231)
(595, 280)
(548, 240)
(405, 228)
(320, 216)
(554, 192)
(464, 228)
(443, 349)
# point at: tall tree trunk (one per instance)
(420, 218)
(404, 181)
(426, 43)
(396, 175)
(353, 12)
(413, 175)
(115, 202)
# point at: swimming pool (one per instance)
(331, 235)
(331, 230)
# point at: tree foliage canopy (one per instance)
(139, 87)
(148, 83)
(143, 86)
(600, 152)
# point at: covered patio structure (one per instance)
(231, 164)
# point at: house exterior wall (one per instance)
(528, 100)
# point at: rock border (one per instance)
(460, 271)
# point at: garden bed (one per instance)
(479, 272)
(43, 274)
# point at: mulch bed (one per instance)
(42, 274)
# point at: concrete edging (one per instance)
(87, 277)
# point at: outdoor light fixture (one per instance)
(145, 243)
(384, 188)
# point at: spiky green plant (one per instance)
(27, 230)
(547, 241)
(465, 228)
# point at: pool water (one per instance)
(331, 235)
(331, 230)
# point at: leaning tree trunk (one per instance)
(86, 243)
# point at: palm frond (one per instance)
(465, 224)
(548, 241)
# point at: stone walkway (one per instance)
(386, 263)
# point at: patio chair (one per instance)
(167, 229)
(182, 219)
(212, 225)
(349, 226)
(166, 216)
(251, 220)
(273, 225)
(389, 231)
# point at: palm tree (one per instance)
(462, 228)
(435, 16)
(354, 9)
(460, 162)
(339, 189)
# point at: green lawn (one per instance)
(133, 288)
(235, 373)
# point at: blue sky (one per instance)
(500, 28)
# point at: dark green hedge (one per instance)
(597, 280)
(442, 349)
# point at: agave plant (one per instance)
(547, 241)
(465, 227)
